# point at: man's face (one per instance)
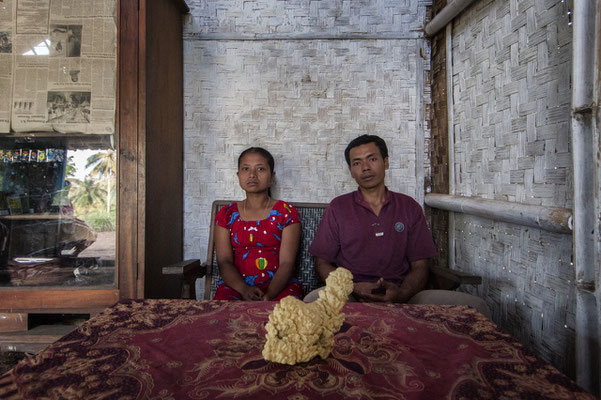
(368, 168)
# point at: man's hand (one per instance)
(251, 293)
(381, 291)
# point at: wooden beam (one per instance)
(127, 166)
(50, 300)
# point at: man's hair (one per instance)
(365, 139)
(259, 150)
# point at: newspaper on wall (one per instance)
(6, 62)
(60, 67)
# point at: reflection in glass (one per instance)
(57, 211)
(40, 49)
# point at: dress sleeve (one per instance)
(293, 215)
(223, 216)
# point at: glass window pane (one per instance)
(57, 211)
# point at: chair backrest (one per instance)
(310, 215)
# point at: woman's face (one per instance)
(254, 173)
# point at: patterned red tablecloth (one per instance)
(179, 349)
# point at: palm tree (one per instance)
(70, 168)
(104, 168)
(86, 192)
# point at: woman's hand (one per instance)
(288, 248)
(229, 273)
(251, 293)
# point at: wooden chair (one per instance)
(310, 214)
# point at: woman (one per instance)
(256, 239)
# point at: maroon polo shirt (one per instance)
(371, 246)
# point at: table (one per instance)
(186, 349)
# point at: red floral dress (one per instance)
(256, 247)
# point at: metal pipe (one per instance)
(451, 138)
(446, 15)
(548, 218)
(419, 123)
(583, 75)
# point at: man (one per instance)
(380, 236)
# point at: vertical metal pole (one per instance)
(451, 137)
(587, 318)
(419, 121)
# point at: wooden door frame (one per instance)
(128, 120)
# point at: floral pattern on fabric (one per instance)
(256, 248)
(184, 349)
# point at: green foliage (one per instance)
(71, 168)
(102, 223)
(87, 193)
(104, 168)
(94, 201)
(98, 219)
(103, 163)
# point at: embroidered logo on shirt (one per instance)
(399, 227)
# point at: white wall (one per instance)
(300, 78)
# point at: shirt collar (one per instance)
(358, 199)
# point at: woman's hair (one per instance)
(259, 150)
(267, 155)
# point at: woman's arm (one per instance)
(229, 273)
(289, 246)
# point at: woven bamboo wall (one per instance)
(301, 78)
(511, 79)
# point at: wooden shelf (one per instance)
(71, 141)
(35, 339)
(50, 300)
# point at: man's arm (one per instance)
(323, 268)
(361, 290)
(326, 243)
(414, 282)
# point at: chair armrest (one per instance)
(186, 268)
(189, 271)
(450, 279)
